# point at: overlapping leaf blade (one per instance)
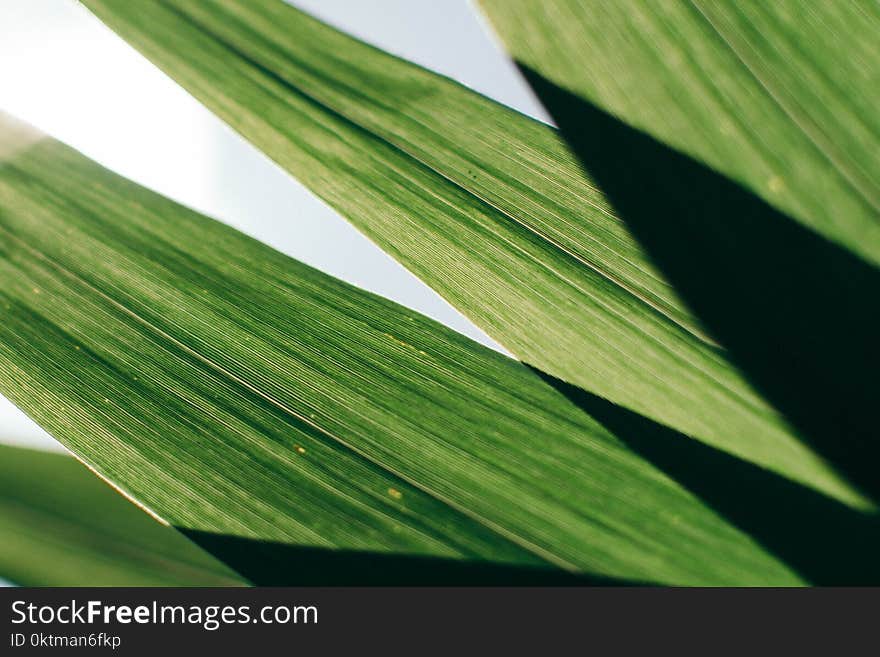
(61, 526)
(483, 204)
(777, 96)
(738, 142)
(236, 392)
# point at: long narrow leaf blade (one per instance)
(61, 526)
(236, 392)
(779, 96)
(483, 204)
(738, 142)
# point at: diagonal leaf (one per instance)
(482, 203)
(771, 94)
(62, 527)
(236, 392)
(791, 307)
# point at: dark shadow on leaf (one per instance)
(267, 563)
(827, 542)
(797, 314)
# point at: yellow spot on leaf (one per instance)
(300, 449)
(402, 343)
(396, 494)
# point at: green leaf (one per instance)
(771, 94)
(238, 393)
(483, 204)
(777, 256)
(61, 526)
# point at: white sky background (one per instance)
(64, 72)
